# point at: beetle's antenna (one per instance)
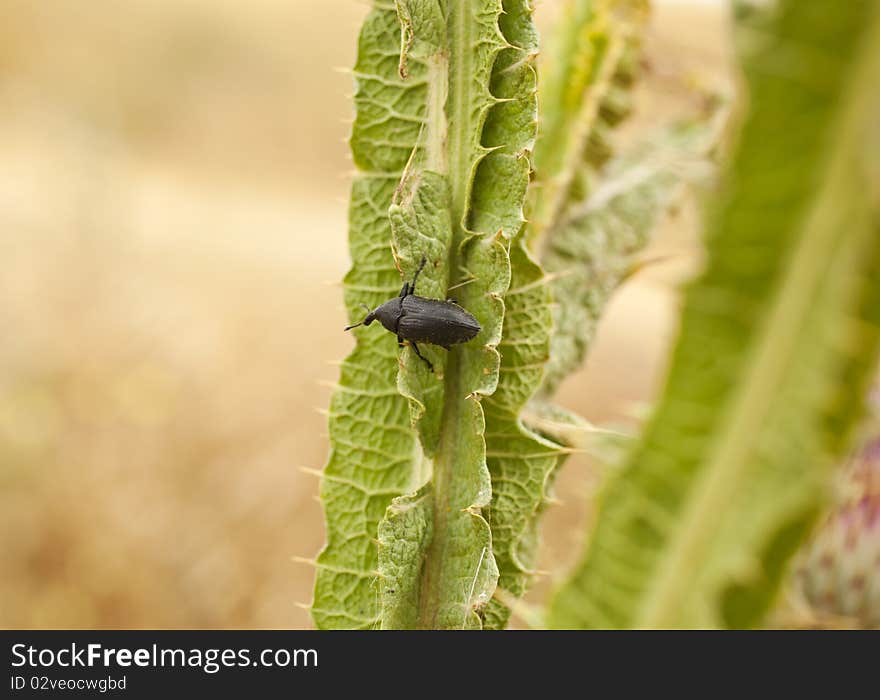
(418, 272)
(355, 325)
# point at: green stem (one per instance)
(453, 459)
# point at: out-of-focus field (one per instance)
(173, 177)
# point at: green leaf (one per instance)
(778, 339)
(457, 568)
(587, 73)
(520, 461)
(445, 122)
(422, 30)
(404, 535)
(607, 445)
(595, 247)
(375, 455)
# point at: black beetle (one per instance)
(421, 320)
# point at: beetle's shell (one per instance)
(433, 321)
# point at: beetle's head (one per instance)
(368, 319)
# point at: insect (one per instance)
(421, 320)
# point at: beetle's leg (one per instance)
(405, 290)
(399, 340)
(421, 357)
(412, 287)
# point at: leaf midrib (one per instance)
(462, 125)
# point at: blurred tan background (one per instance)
(173, 178)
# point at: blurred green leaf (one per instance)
(595, 247)
(778, 339)
(587, 73)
